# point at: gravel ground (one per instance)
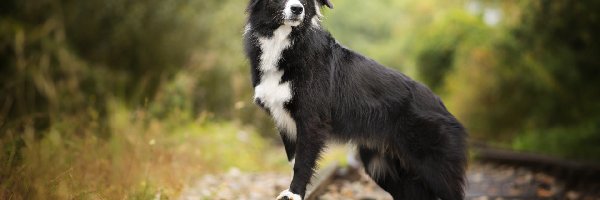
(238, 185)
(485, 182)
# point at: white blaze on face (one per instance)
(290, 18)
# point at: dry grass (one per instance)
(143, 158)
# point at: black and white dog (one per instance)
(317, 90)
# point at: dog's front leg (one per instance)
(290, 146)
(309, 144)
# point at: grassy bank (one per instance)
(142, 157)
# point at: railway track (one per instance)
(573, 173)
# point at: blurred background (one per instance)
(114, 99)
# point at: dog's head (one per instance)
(289, 12)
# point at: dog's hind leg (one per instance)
(444, 177)
(441, 165)
(388, 173)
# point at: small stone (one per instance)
(573, 195)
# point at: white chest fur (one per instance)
(271, 91)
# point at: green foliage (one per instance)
(529, 79)
(440, 43)
(58, 64)
(537, 73)
(386, 31)
(580, 142)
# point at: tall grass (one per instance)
(143, 157)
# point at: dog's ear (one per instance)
(251, 5)
(326, 2)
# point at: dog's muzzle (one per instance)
(294, 13)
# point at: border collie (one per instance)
(316, 90)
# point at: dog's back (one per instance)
(403, 130)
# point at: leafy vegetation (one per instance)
(533, 77)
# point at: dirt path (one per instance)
(484, 182)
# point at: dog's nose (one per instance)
(297, 9)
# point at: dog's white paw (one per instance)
(287, 195)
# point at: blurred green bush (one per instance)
(535, 76)
(64, 57)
